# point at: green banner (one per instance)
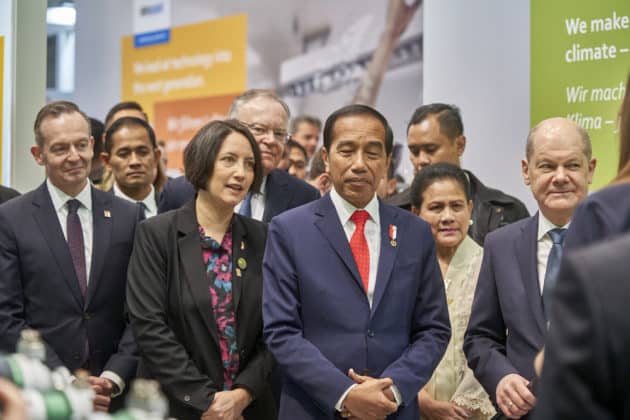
(580, 58)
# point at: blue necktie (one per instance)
(246, 206)
(553, 266)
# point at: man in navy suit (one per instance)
(508, 321)
(354, 307)
(64, 250)
(267, 117)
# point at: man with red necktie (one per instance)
(353, 301)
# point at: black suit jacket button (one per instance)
(87, 316)
(242, 353)
(187, 398)
(370, 333)
(76, 356)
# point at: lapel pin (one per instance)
(107, 214)
(242, 263)
(238, 272)
(393, 233)
(242, 245)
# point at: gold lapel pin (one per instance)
(242, 245)
(242, 263)
(107, 214)
(238, 272)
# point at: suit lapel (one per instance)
(387, 256)
(328, 223)
(48, 223)
(101, 238)
(526, 247)
(276, 193)
(239, 253)
(191, 257)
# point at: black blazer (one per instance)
(283, 192)
(586, 374)
(39, 288)
(7, 193)
(171, 314)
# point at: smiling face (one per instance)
(233, 171)
(267, 120)
(357, 159)
(445, 208)
(66, 152)
(557, 170)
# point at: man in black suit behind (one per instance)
(7, 193)
(586, 370)
(267, 117)
(54, 244)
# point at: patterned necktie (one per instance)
(553, 265)
(359, 246)
(75, 243)
(246, 206)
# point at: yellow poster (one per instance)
(1, 96)
(203, 59)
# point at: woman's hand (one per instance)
(440, 410)
(228, 405)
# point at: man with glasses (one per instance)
(436, 134)
(267, 117)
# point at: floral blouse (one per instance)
(218, 261)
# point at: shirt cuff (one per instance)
(339, 405)
(117, 380)
(397, 395)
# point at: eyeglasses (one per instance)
(259, 130)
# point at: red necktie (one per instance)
(359, 246)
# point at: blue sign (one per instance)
(152, 38)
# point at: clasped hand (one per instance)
(228, 405)
(371, 399)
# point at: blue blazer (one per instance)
(39, 288)
(317, 320)
(283, 192)
(507, 324)
(602, 215)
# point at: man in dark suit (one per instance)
(508, 319)
(267, 117)
(362, 293)
(7, 193)
(436, 134)
(64, 249)
(131, 155)
(586, 368)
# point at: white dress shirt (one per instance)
(257, 202)
(372, 231)
(59, 200)
(544, 246)
(150, 206)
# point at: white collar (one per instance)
(544, 226)
(345, 209)
(148, 201)
(60, 198)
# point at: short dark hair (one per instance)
(295, 122)
(318, 166)
(97, 127)
(292, 144)
(428, 175)
(357, 109)
(449, 117)
(54, 110)
(127, 122)
(120, 106)
(201, 152)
